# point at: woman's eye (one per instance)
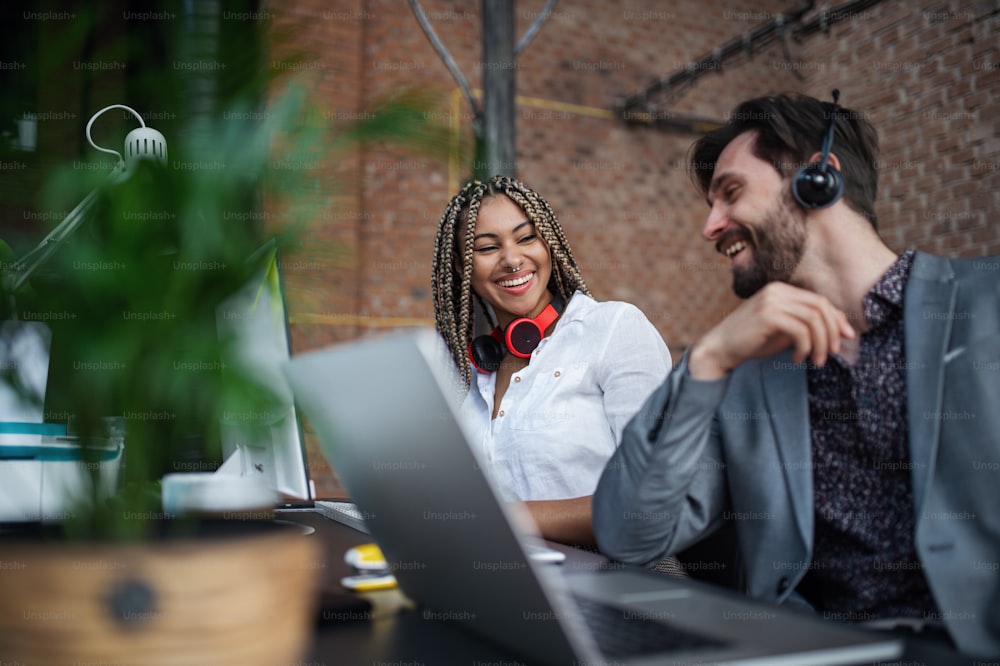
(484, 248)
(528, 238)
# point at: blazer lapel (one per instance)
(785, 393)
(929, 311)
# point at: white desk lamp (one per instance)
(141, 143)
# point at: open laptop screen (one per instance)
(260, 429)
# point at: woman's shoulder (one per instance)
(605, 314)
(585, 306)
(620, 328)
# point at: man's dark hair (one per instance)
(790, 128)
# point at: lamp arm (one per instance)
(29, 263)
(148, 143)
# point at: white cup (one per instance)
(207, 492)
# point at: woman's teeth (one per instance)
(516, 282)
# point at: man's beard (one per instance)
(777, 243)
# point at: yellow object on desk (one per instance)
(369, 582)
(366, 557)
(371, 567)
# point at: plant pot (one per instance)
(238, 593)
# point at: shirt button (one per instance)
(517, 379)
(556, 373)
(501, 413)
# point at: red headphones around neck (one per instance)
(520, 337)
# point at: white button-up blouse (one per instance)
(562, 416)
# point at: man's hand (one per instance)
(775, 318)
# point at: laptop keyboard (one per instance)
(346, 513)
(621, 633)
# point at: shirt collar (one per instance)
(886, 297)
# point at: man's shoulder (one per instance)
(978, 269)
(984, 269)
(975, 281)
(963, 292)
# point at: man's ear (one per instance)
(832, 160)
(815, 187)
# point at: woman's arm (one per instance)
(563, 520)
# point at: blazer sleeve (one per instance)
(664, 488)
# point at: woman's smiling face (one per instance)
(511, 265)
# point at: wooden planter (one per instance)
(236, 595)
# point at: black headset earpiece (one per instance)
(820, 184)
(486, 352)
(520, 337)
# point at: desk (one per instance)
(386, 635)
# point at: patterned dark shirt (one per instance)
(864, 562)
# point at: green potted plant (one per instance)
(131, 300)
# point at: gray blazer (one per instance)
(738, 448)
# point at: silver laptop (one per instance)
(385, 413)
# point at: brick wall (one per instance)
(925, 73)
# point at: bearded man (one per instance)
(844, 416)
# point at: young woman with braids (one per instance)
(546, 420)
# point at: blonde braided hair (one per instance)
(454, 299)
